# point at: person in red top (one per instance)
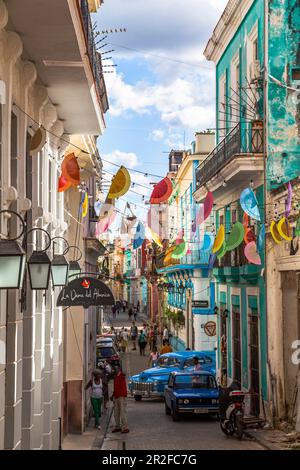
(119, 399)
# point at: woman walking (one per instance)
(142, 342)
(154, 355)
(97, 386)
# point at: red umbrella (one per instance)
(161, 191)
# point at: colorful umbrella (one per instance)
(261, 238)
(168, 257)
(207, 242)
(288, 201)
(139, 236)
(212, 260)
(297, 229)
(97, 207)
(161, 191)
(153, 236)
(120, 183)
(85, 205)
(104, 224)
(235, 237)
(249, 203)
(180, 250)
(208, 204)
(38, 141)
(219, 240)
(222, 252)
(284, 229)
(274, 232)
(251, 253)
(70, 169)
(63, 184)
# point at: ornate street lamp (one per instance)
(39, 265)
(59, 266)
(12, 259)
(74, 266)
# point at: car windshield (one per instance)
(202, 361)
(195, 381)
(168, 362)
(105, 352)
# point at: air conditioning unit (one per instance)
(255, 71)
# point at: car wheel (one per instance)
(175, 414)
(167, 409)
(138, 397)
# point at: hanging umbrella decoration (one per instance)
(251, 253)
(38, 141)
(274, 232)
(139, 236)
(284, 229)
(85, 204)
(235, 237)
(70, 169)
(261, 238)
(219, 240)
(180, 250)
(207, 242)
(97, 207)
(249, 204)
(249, 235)
(153, 236)
(120, 184)
(104, 223)
(161, 191)
(63, 184)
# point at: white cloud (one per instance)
(175, 141)
(157, 135)
(128, 159)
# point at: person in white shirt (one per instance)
(166, 334)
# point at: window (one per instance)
(195, 381)
(255, 49)
(166, 361)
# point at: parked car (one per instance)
(152, 382)
(191, 392)
(108, 352)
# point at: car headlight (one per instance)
(180, 401)
(214, 401)
(186, 402)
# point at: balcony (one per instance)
(235, 268)
(241, 149)
(195, 258)
(94, 56)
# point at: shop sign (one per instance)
(210, 328)
(85, 292)
(200, 304)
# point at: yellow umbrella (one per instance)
(219, 240)
(120, 183)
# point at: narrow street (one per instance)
(151, 429)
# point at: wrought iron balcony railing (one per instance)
(234, 258)
(94, 56)
(245, 138)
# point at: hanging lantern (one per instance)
(74, 266)
(59, 266)
(12, 260)
(39, 266)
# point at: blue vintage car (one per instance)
(152, 382)
(191, 392)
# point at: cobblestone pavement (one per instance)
(151, 429)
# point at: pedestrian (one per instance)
(124, 340)
(166, 333)
(142, 343)
(166, 348)
(130, 313)
(106, 371)
(133, 335)
(119, 399)
(196, 362)
(135, 312)
(154, 355)
(124, 306)
(151, 338)
(114, 309)
(138, 306)
(97, 386)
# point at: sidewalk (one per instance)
(275, 439)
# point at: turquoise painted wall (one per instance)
(237, 46)
(283, 162)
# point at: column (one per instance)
(48, 374)
(2, 364)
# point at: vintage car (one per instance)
(152, 382)
(191, 392)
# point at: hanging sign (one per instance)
(85, 292)
(200, 304)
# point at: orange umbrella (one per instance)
(70, 169)
(63, 184)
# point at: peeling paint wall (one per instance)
(283, 162)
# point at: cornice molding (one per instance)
(226, 28)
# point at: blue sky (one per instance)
(163, 88)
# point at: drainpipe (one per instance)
(271, 383)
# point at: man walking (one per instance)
(133, 334)
(119, 399)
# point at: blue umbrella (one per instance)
(249, 203)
